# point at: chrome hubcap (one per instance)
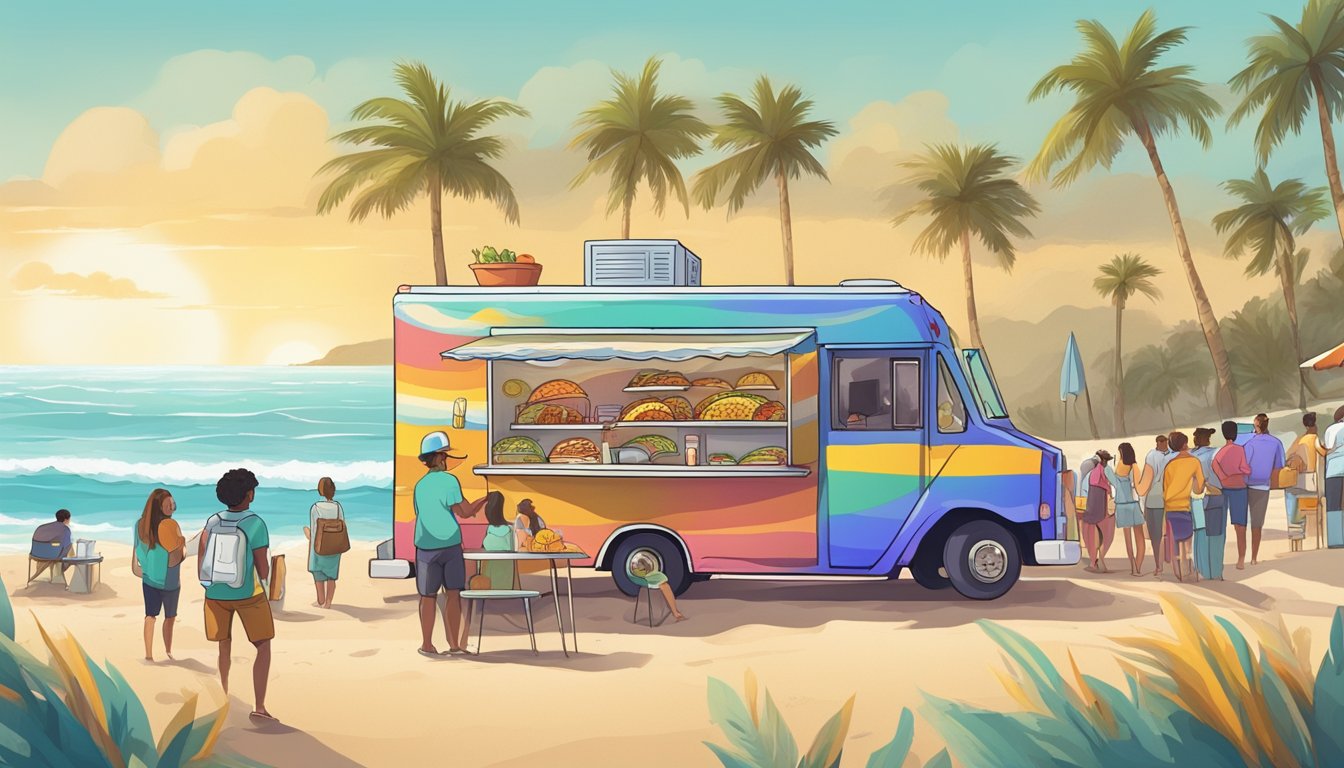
(988, 561)
(642, 561)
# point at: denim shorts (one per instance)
(437, 569)
(157, 599)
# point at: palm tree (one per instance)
(426, 143)
(1290, 69)
(770, 138)
(1126, 275)
(636, 136)
(1266, 224)
(968, 191)
(1120, 91)
(1265, 366)
(1159, 374)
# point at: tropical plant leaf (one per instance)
(727, 711)
(728, 758)
(829, 743)
(6, 612)
(781, 747)
(1328, 699)
(940, 760)
(894, 753)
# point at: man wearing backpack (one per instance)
(235, 564)
(439, 564)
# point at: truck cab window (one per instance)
(876, 393)
(951, 408)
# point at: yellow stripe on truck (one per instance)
(965, 460)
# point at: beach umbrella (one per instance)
(1073, 382)
(1331, 358)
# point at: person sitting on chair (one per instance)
(654, 579)
(51, 542)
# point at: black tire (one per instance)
(982, 560)
(927, 568)
(666, 557)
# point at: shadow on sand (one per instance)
(266, 742)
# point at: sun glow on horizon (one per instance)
(292, 353)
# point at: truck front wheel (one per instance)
(927, 568)
(982, 560)
(645, 552)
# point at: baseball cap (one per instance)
(437, 442)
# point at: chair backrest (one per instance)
(46, 550)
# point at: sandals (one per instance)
(255, 715)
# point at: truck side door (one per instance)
(877, 433)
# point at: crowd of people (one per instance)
(1183, 495)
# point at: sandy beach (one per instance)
(351, 690)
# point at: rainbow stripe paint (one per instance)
(865, 499)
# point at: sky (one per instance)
(156, 180)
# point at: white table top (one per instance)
(77, 560)
(478, 554)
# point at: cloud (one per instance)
(37, 276)
(103, 140)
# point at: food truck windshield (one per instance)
(982, 381)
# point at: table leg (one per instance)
(569, 587)
(555, 595)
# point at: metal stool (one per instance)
(648, 591)
(484, 596)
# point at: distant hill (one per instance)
(1027, 356)
(377, 352)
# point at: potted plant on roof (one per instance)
(504, 267)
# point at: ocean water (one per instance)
(96, 441)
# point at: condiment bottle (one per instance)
(692, 450)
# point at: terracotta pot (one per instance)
(506, 274)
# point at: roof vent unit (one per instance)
(869, 282)
(639, 262)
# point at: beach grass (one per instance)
(72, 711)
(1202, 696)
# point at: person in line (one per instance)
(326, 569)
(1182, 479)
(236, 490)
(1232, 470)
(1264, 454)
(1100, 525)
(1211, 540)
(1128, 510)
(1333, 444)
(157, 560)
(1150, 485)
(1303, 456)
(51, 542)
(527, 522)
(439, 563)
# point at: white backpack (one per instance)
(227, 557)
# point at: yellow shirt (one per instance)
(1182, 476)
(1308, 447)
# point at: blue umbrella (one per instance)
(1073, 382)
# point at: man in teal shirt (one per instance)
(249, 601)
(439, 564)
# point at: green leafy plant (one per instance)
(760, 738)
(488, 255)
(1203, 697)
(71, 711)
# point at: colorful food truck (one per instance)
(715, 431)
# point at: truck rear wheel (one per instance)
(927, 568)
(982, 560)
(649, 552)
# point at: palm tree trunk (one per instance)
(1091, 420)
(1288, 276)
(625, 217)
(785, 225)
(972, 319)
(435, 191)
(1172, 414)
(1213, 335)
(1119, 370)
(1331, 163)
